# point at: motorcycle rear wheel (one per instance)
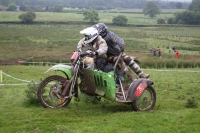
(146, 101)
(47, 91)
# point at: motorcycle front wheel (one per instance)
(146, 101)
(49, 90)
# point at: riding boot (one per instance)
(134, 66)
(130, 75)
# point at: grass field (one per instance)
(105, 17)
(56, 42)
(174, 87)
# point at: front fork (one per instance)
(71, 84)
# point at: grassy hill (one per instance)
(56, 42)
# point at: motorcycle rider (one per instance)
(97, 47)
(115, 47)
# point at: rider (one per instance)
(97, 46)
(116, 46)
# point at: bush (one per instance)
(120, 20)
(27, 17)
(31, 94)
(180, 22)
(191, 103)
(160, 21)
(170, 21)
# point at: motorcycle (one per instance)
(57, 91)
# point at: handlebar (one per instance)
(82, 54)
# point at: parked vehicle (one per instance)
(57, 91)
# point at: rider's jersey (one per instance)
(99, 46)
(115, 44)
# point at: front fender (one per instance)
(66, 69)
(138, 87)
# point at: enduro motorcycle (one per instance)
(57, 91)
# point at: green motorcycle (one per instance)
(57, 91)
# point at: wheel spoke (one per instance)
(146, 101)
(49, 92)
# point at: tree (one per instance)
(194, 4)
(5, 2)
(120, 20)
(57, 8)
(179, 5)
(151, 9)
(187, 17)
(197, 9)
(22, 8)
(12, 7)
(91, 15)
(27, 17)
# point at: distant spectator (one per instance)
(151, 50)
(159, 53)
(177, 54)
(174, 49)
(170, 49)
(154, 52)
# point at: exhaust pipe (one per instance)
(67, 88)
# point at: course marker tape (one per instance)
(1, 75)
(16, 78)
(172, 70)
(42, 63)
(13, 84)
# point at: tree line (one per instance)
(191, 16)
(97, 4)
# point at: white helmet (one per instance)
(90, 34)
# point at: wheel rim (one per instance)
(145, 101)
(49, 94)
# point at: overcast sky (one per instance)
(179, 0)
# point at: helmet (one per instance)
(102, 29)
(90, 34)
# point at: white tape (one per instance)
(1, 72)
(171, 70)
(13, 84)
(16, 78)
(41, 62)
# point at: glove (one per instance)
(79, 50)
(93, 53)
